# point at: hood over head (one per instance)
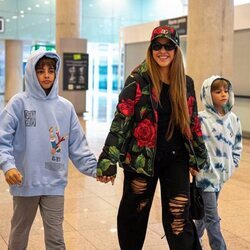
(206, 96)
(32, 85)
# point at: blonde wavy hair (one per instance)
(177, 91)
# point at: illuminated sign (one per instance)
(47, 47)
(75, 71)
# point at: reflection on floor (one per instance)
(91, 207)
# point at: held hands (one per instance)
(106, 179)
(13, 176)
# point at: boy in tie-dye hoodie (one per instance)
(222, 134)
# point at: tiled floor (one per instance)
(91, 208)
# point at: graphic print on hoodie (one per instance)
(223, 138)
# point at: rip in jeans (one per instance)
(139, 186)
(176, 207)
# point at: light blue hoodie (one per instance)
(38, 135)
(223, 139)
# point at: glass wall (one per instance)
(102, 20)
(103, 80)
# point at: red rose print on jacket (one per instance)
(138, 93)
(145, 134)
(128, 158)
(126, 107)
(196, 128)
(191, 101)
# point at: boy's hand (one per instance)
(13, 176)
(106, 179)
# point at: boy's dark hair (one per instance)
(218, 83)
(51, 62)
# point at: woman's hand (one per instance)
(106, 179)
(193, 172)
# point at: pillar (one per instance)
(68, 24)
(210, 40)
(68, 20)
(13, 68)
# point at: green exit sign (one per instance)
(47, 47)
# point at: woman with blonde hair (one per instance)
(155, 134)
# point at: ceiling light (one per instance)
(14, 17)
(28, 8)
(21, 11)
(46, 2)
(37, 5)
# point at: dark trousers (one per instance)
(138, 192)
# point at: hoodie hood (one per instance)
(206, 96)
(32, 86)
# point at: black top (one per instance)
(164, 113)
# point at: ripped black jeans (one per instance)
(138, 192)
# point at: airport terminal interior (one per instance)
(90, 206)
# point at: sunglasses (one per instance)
(167, 46)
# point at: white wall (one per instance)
(138, 33)
(241, 17)
(242, 109)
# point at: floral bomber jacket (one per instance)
(131, 141)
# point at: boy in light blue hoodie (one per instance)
(222, 135)
(39, 133)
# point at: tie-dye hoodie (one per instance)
(38, 135)
(223, 139)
